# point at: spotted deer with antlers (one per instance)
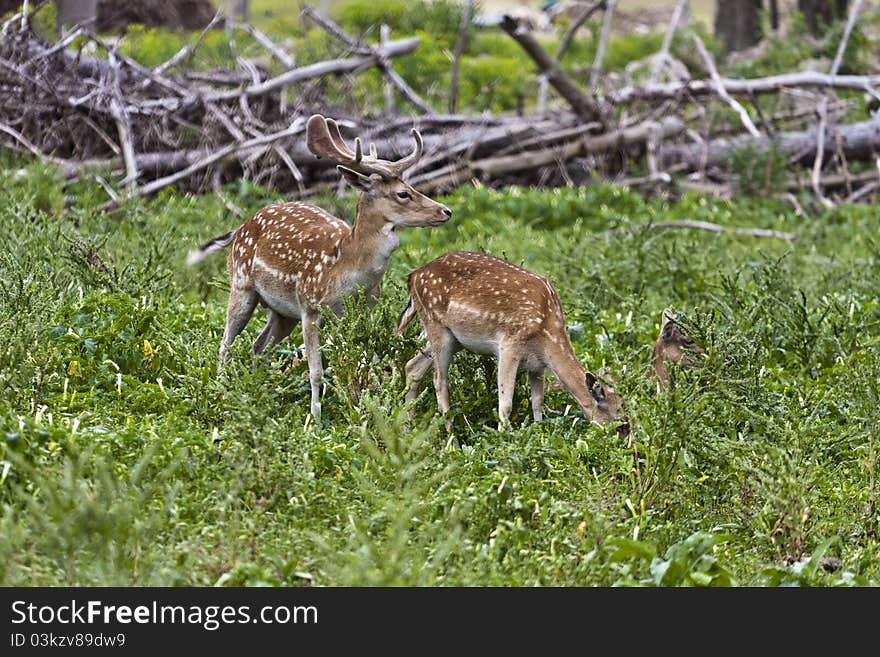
(296, 259)
(490, 306)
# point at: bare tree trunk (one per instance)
(821, 13)
(76, 11)
(238, 9)
(460, 44)
(738, 23)
(774, 15)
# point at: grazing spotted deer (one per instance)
(296, 258)
(490, 306)
(674, 346)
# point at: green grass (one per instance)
(127, 460)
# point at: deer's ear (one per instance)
(355, 179)
(590, 379)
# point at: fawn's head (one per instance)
(385, 194)
(674, 345)
(610, 404)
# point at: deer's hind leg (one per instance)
(536, 385)
(277, 328)
(239, 309)
(416, 369)
(444, 346)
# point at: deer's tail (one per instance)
(407, 316)
(206, 249)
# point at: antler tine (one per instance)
(324, 140)
(405, 163)
(336, 137)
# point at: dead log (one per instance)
(668, 127)
(744, 86)
(858, 142)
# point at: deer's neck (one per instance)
(657, 362)
(364, 253)
(568, 369)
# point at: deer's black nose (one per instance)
(447, 212)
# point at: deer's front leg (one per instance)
(313, 353)
(508, 362)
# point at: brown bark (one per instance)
(819, 14)
(738, 23)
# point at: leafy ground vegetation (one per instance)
(128, 461)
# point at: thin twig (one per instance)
(604, 37)
(387, 87)
(268, 44)
(189, 49)
(568, 37)
(864, 190)
(822, 110)
(719, 86)
(23, 16)
(661, 57)
(291, 166)
(355, 46)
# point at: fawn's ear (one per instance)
(355, 179)
(594, 386)
(667, 317)
(590, 379)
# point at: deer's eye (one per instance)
(403, 196)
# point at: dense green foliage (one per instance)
(127, 460)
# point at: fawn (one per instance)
(490, 306)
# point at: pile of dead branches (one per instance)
(92, 111)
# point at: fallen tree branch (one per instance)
(700, 225)
(663, 55)
(269, 45)
(295, 129)
(333, 67)
(188, 49)
(594, 144)
(123, 125)
(859, 142)
(568, 37)
(384, 61)
(584, 105)
(743, 86)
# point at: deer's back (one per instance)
(480, 294)
(286, 248)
